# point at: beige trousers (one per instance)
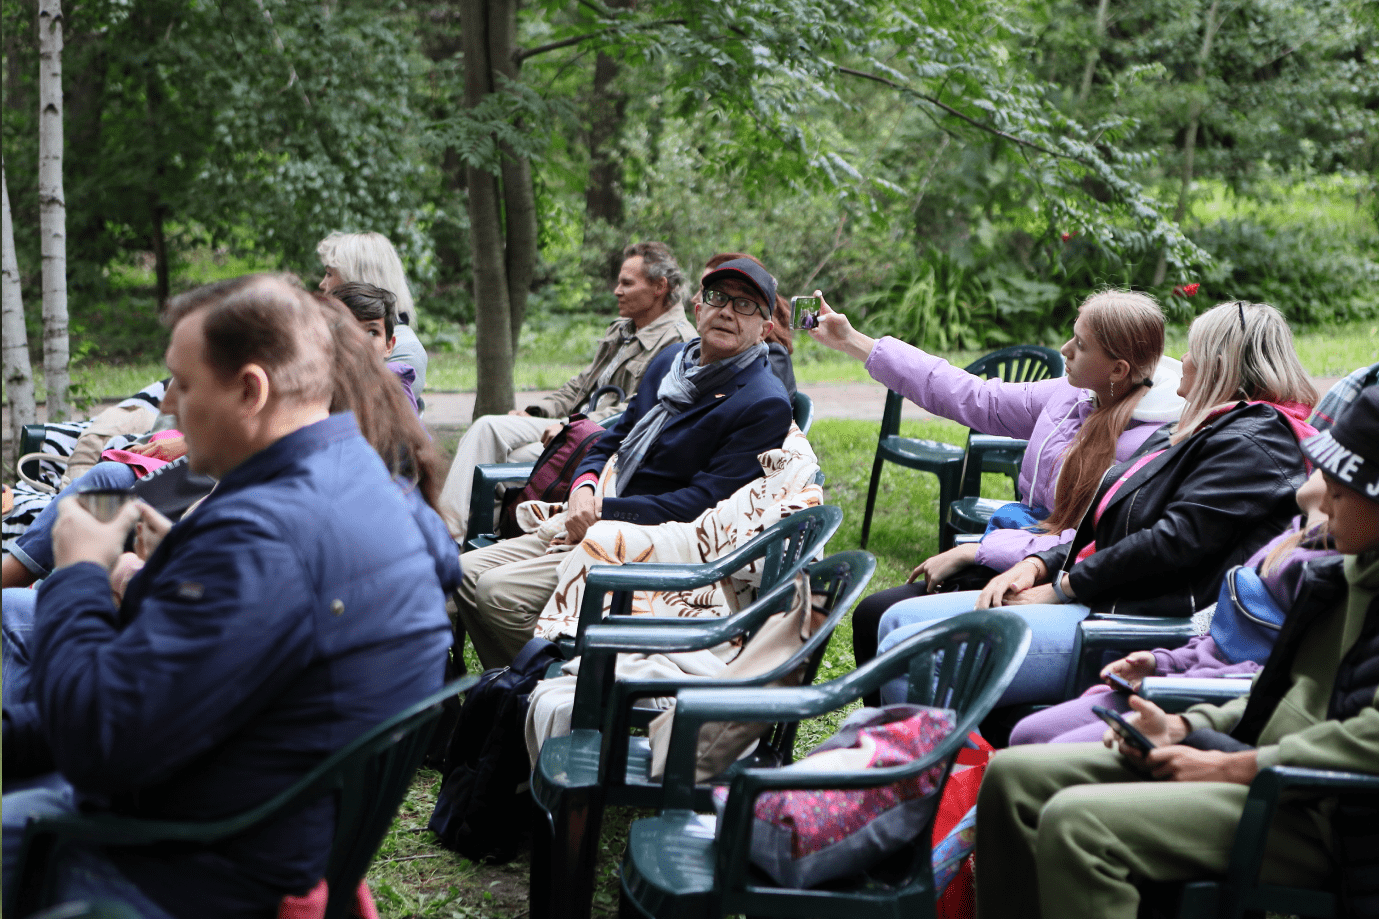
(491, 439)
(1066, 830)
(504, 589)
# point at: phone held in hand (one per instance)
(804, 312)
(1120, 684)
(1124, 729)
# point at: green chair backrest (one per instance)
(784, 548)
(369, 778)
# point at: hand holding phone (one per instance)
(1127, 732)
(1120, 684)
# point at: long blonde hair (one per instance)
(371, 259)
(1241, 350)
(1129, 327)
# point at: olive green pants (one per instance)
(1071, 828)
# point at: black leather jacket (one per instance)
(1172, 529)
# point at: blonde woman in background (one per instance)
(371, 259)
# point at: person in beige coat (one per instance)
(651, 317)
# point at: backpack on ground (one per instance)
(482, 811)
(553, 473)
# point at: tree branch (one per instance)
(955, 113)
(522, 54)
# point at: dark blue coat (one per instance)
(299, 606)
(702, 455)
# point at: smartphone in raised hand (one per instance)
(804, 312)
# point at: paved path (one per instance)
(861, 401)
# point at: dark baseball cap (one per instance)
(1349, 450)
(745, 269)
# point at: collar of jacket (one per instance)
(651, 333)
(1157, 440)
(287, 450)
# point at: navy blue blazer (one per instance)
(704, 454)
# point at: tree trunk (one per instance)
(492, 312)
(19, 381)
(519, 194)
(1093, 54)
(1190, 137)
(53, 208)
(603, 195)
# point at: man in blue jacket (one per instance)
(690, 438)
(296, 608)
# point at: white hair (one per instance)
(371, 259)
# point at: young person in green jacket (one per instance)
(1074, 827)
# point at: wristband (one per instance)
(1058, 591)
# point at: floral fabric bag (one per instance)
(806, 837)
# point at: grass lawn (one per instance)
(413, 876)
(561, 348)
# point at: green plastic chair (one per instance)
(1016, 364)
(369, 777)
(677, 866)
(600, 763)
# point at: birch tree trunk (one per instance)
(19, 381)
(52, 208)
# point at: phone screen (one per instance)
(804, 312)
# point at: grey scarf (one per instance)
(679, 389)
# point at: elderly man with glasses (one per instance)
(689, 439)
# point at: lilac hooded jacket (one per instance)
(1048, 414)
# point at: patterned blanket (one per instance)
(788, 486)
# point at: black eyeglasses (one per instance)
(741, 305)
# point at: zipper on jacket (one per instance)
(1039, 454)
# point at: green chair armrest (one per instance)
(483, 494)
(1252, 834)
(1177, 694)
(1099, 633)
(600, 643)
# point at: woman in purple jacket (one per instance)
(1118, 390)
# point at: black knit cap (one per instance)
(745, 269)
(1349, 450)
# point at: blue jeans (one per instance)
(34, 549)
(1042, 674)
(83, 871)
(18, 622)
